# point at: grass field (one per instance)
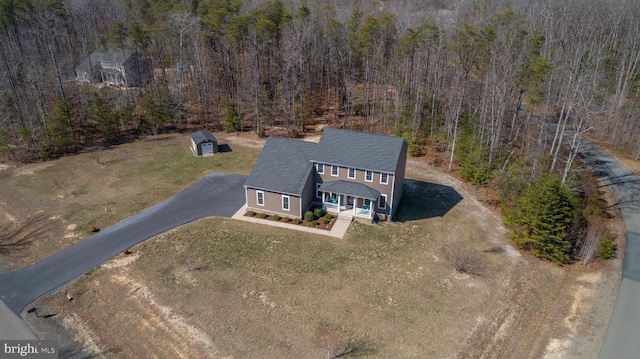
(264, 292)
(102, 188)
(219, 288)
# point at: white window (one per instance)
(352, 173)
(334, 171)
(382, 201)
(318, 193)
(320, 167)
(285, 203)
(368, 176)
(260, 198)
(384, 178)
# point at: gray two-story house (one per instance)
(115, 67)
(359, 173)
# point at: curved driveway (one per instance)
(217, 194)
(622, 336)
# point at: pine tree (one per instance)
(540, 220)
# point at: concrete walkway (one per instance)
(12, 327)
(337, 231)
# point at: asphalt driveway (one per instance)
(621, 340)
(217, 194)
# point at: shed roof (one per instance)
(360, 150)
(350, 188)
(283, 166)
(203, 136)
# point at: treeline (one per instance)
(487, 86)
(483, 81)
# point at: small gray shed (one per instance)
(203, 143)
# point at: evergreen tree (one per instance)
(540, 220)
(58, 128)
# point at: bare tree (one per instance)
(61, 185)
(464, 259)
(589, 244)
(339, 342)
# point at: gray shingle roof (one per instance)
(203, 136)
(111, 55)
(283, 166)
(359, 150)
(350, 188)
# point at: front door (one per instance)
(349, 202)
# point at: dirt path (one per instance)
(537, 310)
(542, 310)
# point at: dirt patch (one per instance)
(83, 334)
(4, 210)
(224, 288)
(31, 169)
(121, 261)
(248, 139)
(100, 190)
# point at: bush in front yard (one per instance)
(263, 215)
(324, 220)
(308, 216)
(251, 213)
(275, 217)
(314, 223)
(328, 216)
(318, 212)
(286, 219)
(296, 221)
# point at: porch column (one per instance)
(355, 204)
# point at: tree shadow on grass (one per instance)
(17, 237)
(421, 200)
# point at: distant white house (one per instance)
(115, 67)
(203, 143)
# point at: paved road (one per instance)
(217, 194)
(623, 336)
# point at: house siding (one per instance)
(343, 149)
(116, 67)
(273, 203)
(343, 174)
(195, 148)
(399, 180)
(308, 193)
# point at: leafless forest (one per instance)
(489, 84)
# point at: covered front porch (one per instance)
(344, 196)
